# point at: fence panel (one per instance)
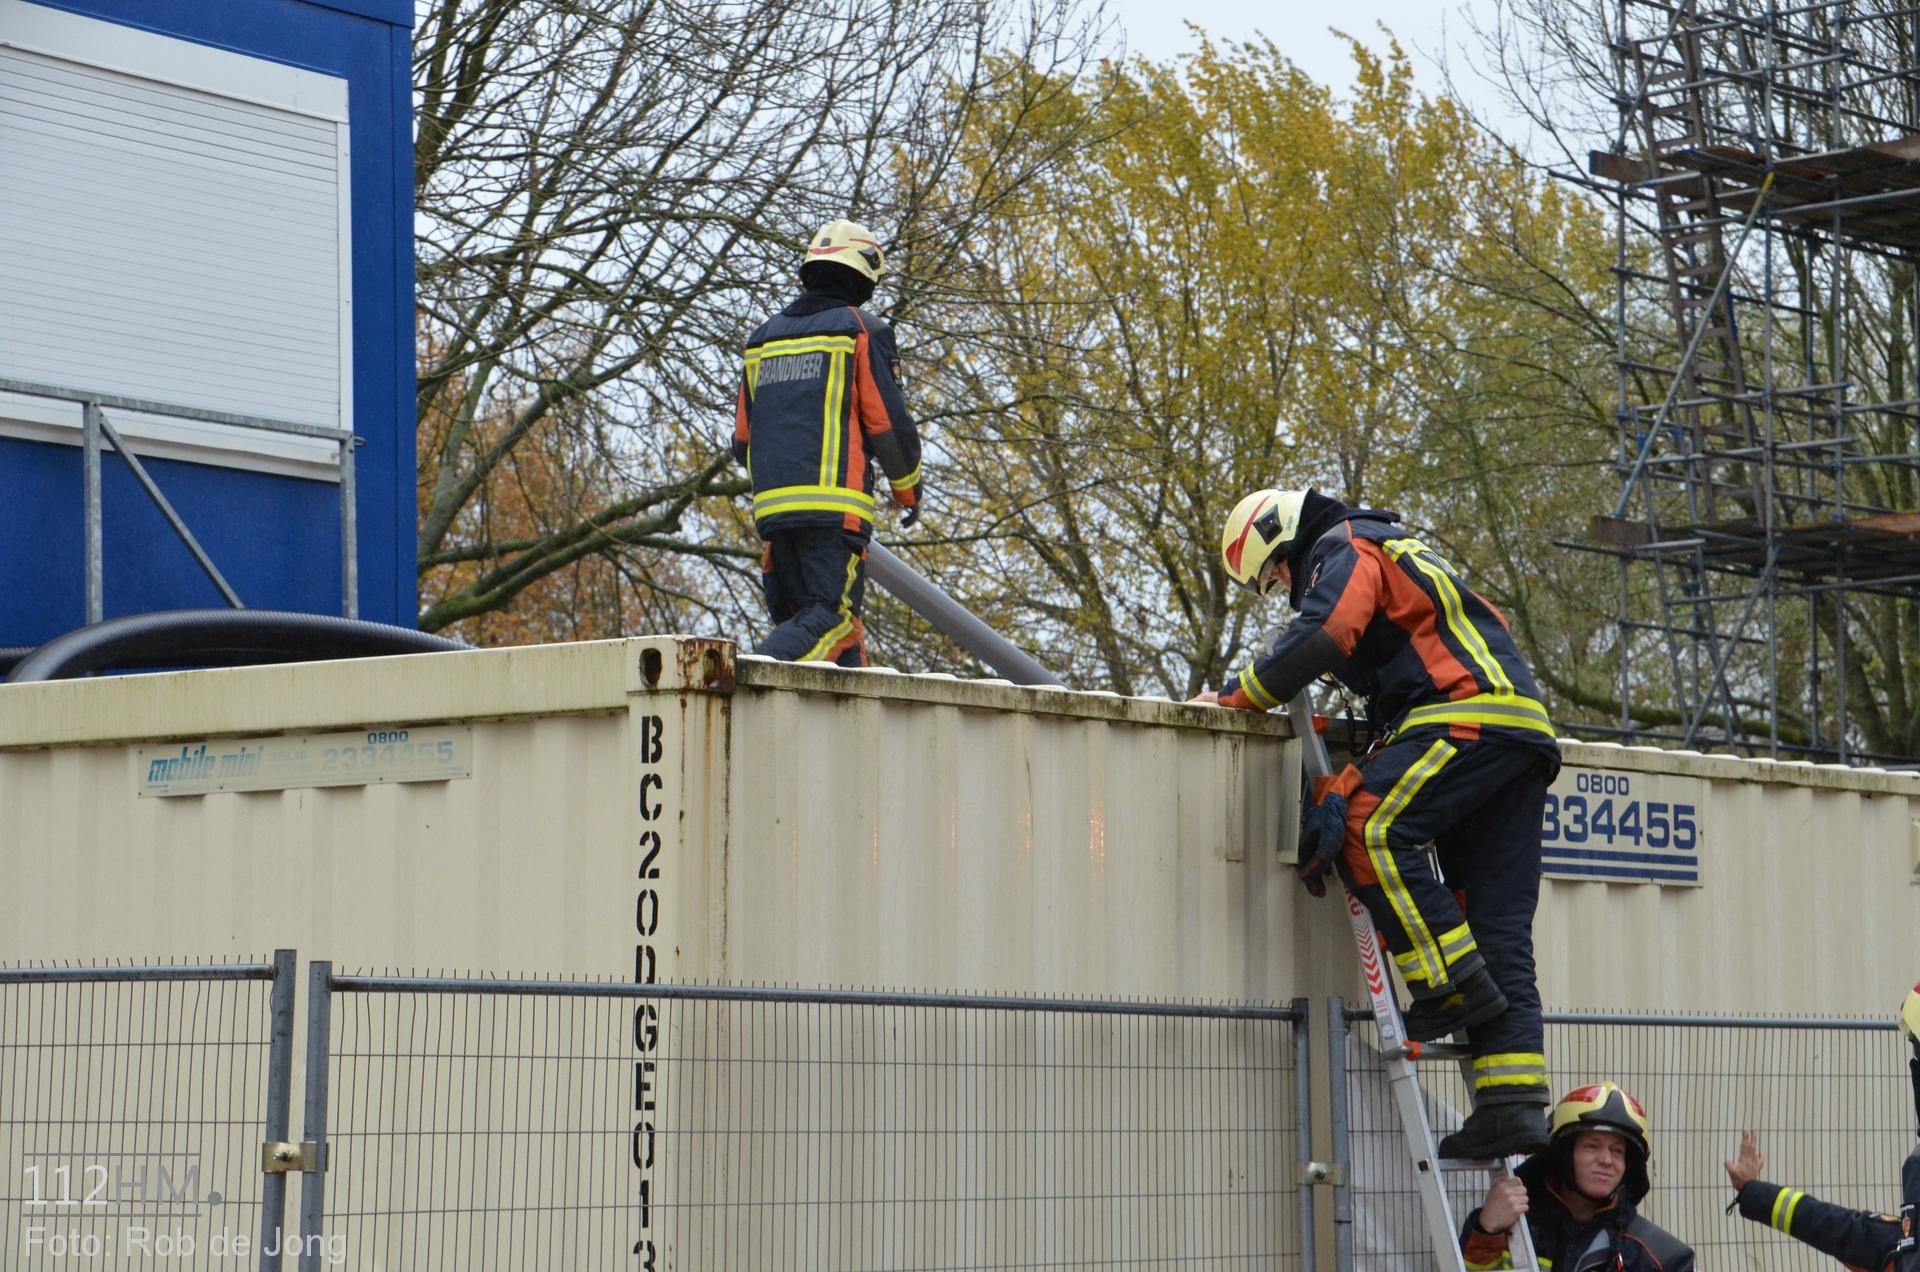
(133, 1105)
(535, 1124)
(1829, 1098)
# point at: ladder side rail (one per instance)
(1403, 1078)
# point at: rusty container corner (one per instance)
(699, 664)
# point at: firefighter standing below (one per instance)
(1579, 1197)
(1467, 757)
(1859, 1239)
(819, 398)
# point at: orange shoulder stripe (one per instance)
(1359, 600)
(869, 407)
(1412, 610)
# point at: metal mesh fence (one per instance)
(1829, 1098)
(600, 1126)
(133, 1104)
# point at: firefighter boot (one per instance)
(1474, 1000)
(1499, 1130)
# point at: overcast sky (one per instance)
(1427, 29)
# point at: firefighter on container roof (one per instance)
(1859, 1239)
(1466, 756)
(819, 399)
(1579, 1197)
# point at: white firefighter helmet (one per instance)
(1259, 535)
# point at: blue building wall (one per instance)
(275, 538)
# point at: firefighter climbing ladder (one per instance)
(1429, 1168)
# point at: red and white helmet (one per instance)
(1258, 537)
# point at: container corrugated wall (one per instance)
(943, 834)
(1806, 904)
(653, 807)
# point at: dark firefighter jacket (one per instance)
(1395, 624)
(819, 398)
(1617, 1239)
(1859, 1239)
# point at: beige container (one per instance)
(648, 806)
(657, 807)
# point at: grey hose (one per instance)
(949, 616)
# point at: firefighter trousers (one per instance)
(814, 579)
(1480, 804)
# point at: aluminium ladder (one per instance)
(1430, 1169)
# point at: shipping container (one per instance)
(665, 808)
(662, 809)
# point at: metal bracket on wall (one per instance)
(1323, 1174)
(282, 1157)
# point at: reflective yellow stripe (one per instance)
(753, 377)
(1508, 710)
(836, 402)
(846, 588)
(1410, 965)
(799, 344)
(826, 642)
(845, 624)
(1389, 874)
(830, 419)
(1513, 1068)
(813, 499)
(1457, 944)
(1454, 610)
(1251, 686)
(908, 482)
(1789, 1200)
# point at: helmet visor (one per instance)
(1273, 575)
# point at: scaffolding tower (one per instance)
(1766, 174)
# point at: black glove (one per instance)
(1323, 829)
(912, 511)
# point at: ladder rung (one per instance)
(1439, 1051)
(1451, 1165)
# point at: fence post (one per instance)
(273, 1190)
(1303, 1129)
(319, 1048)
(349, 533)
(1337, 1126)
(92, 517)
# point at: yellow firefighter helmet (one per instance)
(846, 243)
(1603, 1106)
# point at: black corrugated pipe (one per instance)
(217, 638)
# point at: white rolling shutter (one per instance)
(172, 226)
